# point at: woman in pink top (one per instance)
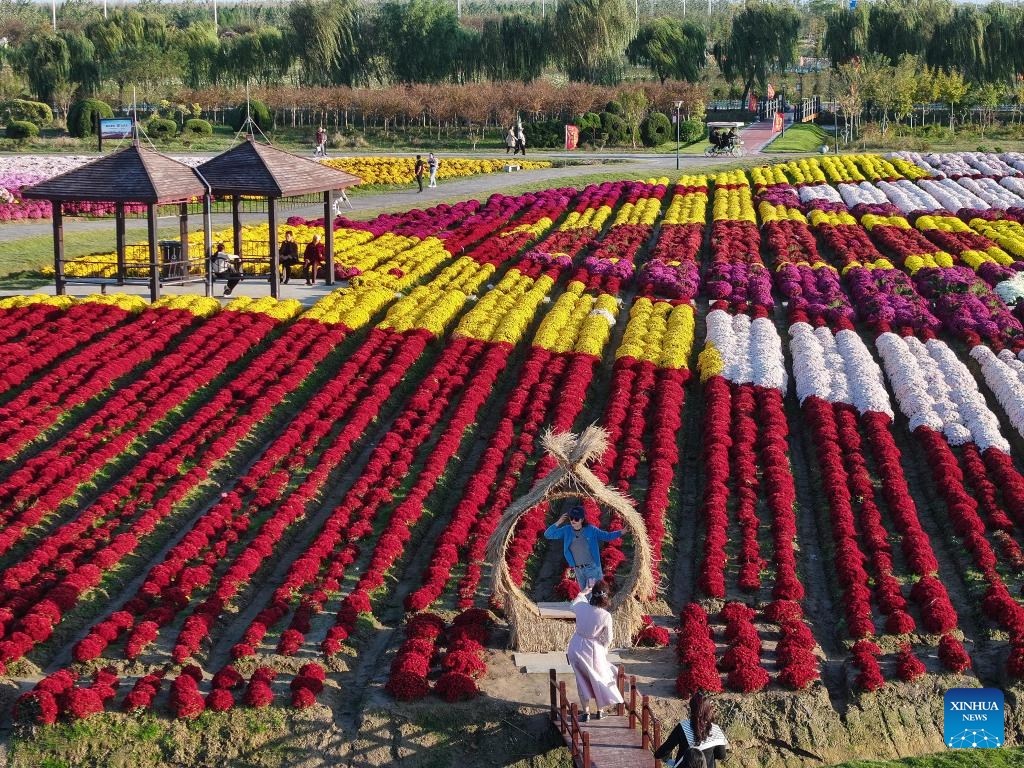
(588, 650)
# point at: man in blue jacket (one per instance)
(579, 544)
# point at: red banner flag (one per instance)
(572, 136)
(771, 91)
(752, 102)
(777, 123)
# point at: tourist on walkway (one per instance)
(580, 544)
(520, 141)
(417, 171)
(697, 742)
(510, 140)
(432, 164)
(227, 266)
(289, 256)
(588, 650)
(312, 258)
(321, 142)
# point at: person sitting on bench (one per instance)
(227, 266)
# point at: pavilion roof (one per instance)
(251, 168)
(134, 174)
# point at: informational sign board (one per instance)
(115, 128)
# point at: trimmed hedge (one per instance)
(29, 111)
(656, 130)
(691, 130)
(82, 116)
(197, 127)
(260, 115)
(21, 130)
(159, 128)
(615, 128)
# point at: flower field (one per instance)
(812, 376)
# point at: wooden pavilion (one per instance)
(133, 175)
(255, 169)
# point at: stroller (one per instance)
(723, 143)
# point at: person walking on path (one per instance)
(588, 650)
(698, 742)
(580, 544)
(510, 140)
(417, 171)
(288, 254)
(520, 141)
(227, 266)
(321, 143)
(432, 165)
(313, 258)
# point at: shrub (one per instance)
(260, 114)
(614, 127)
(83, 114)
(545, 133)
(20, 130)
(22, 109)
(656, 130)
(197, 127)
(159, 128)
(691, 130)
(614, 108)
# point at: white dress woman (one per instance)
(588, 650)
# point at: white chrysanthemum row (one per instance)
(989, 165)
(864, 192)
(951, 164)
(813, 192)
(907, 196)
(751, 350)
(990, 191)
(1004, 375)
(838, 368)
(919, 161)
(1014, 184)
(951, 195)
(1010, 291)
(934, 389)
(1013, 159)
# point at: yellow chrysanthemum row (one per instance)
(578, 322)
(779, 212)
(942, 223)
(840, 169)
(594, 218)
(505, 312)
(734, 204)
(805, 171)
(643, 211)
(870, 221)
(834, 218)
(937, 259)
(536, 229)
(875, 167)
(351, 307)
(908, 169)
(768, 175)
(690, 208)
(876, 264)
(406, 267)
(132, 304)
(279, 309)
(1009, 235)
(710, 362)
(200, 306)
(434, 305)
(399, 170)
(659, 333)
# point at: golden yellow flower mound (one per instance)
(505, 312)
(578, 322)
(399, 170)
(659, 333)
(434, 305)
(1008, 234)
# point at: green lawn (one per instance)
(805, 137)
(954, 758)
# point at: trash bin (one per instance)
(171, 265)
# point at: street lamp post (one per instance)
(678, 105)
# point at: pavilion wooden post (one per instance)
(275, 276)
(122, 269)
(329, 235)
(154, 266)
(236, 223)
(207, 245)
(185, 268)
(60, 286)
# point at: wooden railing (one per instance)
(650, 728)
(566, 717)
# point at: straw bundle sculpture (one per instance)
(532, 632)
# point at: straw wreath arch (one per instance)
(571, 478)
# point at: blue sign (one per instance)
(853, 5)
(973, 718)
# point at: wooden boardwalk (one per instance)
(627, 738)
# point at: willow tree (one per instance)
(670, 48)
(895, 29)
(762, 41)
(325, 41)
(960, 43)
(421, 42)
(589, 38)
(45, 61)
(514, 48)
(846, 35)
(134, 47)
(1004, 55)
